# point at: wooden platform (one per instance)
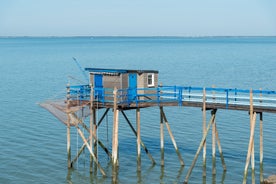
(215, 98)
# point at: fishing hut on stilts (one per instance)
(120, 90)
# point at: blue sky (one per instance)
(138, 18)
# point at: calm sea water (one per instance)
(33, 142)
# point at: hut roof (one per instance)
(117, 71)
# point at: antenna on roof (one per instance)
(81, 69)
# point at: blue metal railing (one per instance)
(178, 94)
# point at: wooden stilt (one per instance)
(91, 124)
(162, 137)
(253, 144)
(115, 130)
(223, 176)
(251, 140)
(220, 150)
(172, 138)
(138, 138)
(250, 145)
(135, 133)
(204, 131)
(200, 146)
(68, 127)
(253, 149)
(214, 146)
(68, 146)
(261, 148)
(114, 174)
(253, 160)
(94, 136)
(94, 132)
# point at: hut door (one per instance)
(98, 82)
(132, 85)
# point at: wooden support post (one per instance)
(250, 145)
(162, 137)
(115, 129)
(138, 138)
(204, 131)
(68, 127)
(214, 146)
(251, 118)
(200, 146)
(261, 148)
(94, 130)
(172, 138)
(253, 144)
(95, 136)
(135, 133)
(220, 150)
(91, 123)
(251, 140)
(68, 146)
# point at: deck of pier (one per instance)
(215, 98)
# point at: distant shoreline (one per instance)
(136, 36)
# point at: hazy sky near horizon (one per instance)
(138, 18)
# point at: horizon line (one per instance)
(137, 36)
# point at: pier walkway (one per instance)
(215, 98)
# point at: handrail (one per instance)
(179, 94)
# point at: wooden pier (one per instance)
(89, 99)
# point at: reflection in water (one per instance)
(204, 178)
(253, 176)
(69, 176)
(143, 173)
(214, 178)
(180, 171)
(73, 176)
(115, 171)
(178, 177)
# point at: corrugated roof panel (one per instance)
(105, 70)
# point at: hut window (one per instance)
(150, 79)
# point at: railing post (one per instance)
(236, 94)
(136, 97)
(174, 91)
(261, 96)
(227, 99)
(158, 95)
(189, 92)
(180, 96)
